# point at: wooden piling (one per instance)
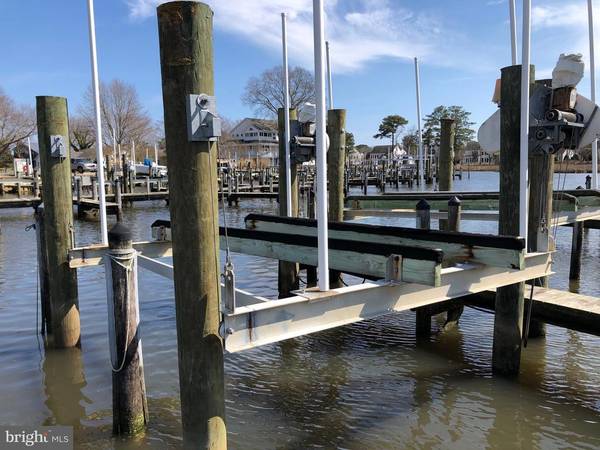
(52, 120)
(453, 224)
(446, 160)
(423, 316)
(186, 54)
(576, 249)
(288, 271)
(541, 180)
(130, 408)
(336, 160)
(508, 320)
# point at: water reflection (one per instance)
(64, 380)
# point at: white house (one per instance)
(380, 151)
(254, 141)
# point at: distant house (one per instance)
(355, 157)
(254, 142)
(380, 151)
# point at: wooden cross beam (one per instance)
(496, 251)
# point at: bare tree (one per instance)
(266, 93)
(17, 122)
(83, 133)
(123, 116)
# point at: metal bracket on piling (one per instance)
(229, 289)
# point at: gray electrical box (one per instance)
(58, 146)
(203, 122)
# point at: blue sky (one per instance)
(462, 45)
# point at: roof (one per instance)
(383, 148)
(258, 124)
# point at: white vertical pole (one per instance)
(321, 208)
(593, 92)
(30, 169)
(524, 144)
(286, 118)
(513, 31)
(156, 153)
(419, 131)
(99, 152)
(115, 152)
(133, 152)
(329, 80)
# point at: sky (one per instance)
(461, 45)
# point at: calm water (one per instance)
(365, 386)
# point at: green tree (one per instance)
(390, 127)
(464, 132)
(349, 142)
(410, 142)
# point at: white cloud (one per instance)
(562, 15)
(360, 31)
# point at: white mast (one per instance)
(286, 118)
(419, 131)
(99, 152)
(593, 92)
(329, 76)
(30, 169)
(321, 209)
(513, 31)
(524, 143)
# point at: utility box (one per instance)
(203, 122)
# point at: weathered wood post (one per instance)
(130, 408)
(423, 317)
(53, 137)
(42, 261)
(186, 54)
(576, 249)
(541, 180)
(508, 319)
(336, 160)
(446, 159)
(288, 271)
(453, 224)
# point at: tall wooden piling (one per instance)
(541, 180)
(130, 408)
(453, 224)
(423, 316)
(576, 249)
(118, 199)
(288, 271)
(336, 160)
(186, 54)
(446, 159)
(508, 320)
(53, 126)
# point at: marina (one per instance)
(304, 296)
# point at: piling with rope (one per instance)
(130, 407)
(53, 136)
(186, 55)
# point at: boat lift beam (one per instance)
(312, 311)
